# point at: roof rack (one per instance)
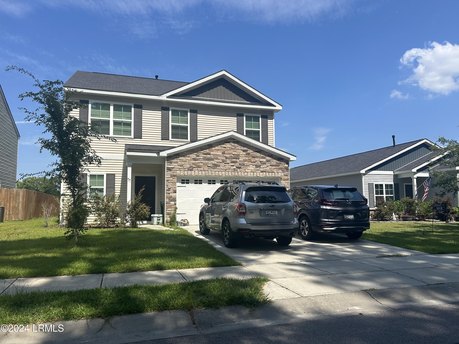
(255, 182)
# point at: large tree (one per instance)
(66, 138)
(446, 179)
(43, 184)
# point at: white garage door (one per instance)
(192, 191)
(191, 196)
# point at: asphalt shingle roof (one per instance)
(122, 83)
(347, 164)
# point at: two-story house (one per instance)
(9, 136)
(178, 140)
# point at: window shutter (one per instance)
(164, 123)
(110, 184)
(84, 183)
(264, 129)
(137, 121)
(396, 191)
(84, 111)
(371, 195)
(240, 123)
(193, 125)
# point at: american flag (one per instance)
(426, 186)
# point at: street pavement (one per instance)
(332, 276)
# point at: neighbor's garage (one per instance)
(191, 192)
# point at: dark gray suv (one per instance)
(332, 209)
(249, 210)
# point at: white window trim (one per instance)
(96, 174)
(170, 124)
(245, 119)
(384, 191)
(111, 125)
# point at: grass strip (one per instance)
(423, 236)
(40, 307)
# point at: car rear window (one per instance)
(337, 194)
(266, 195)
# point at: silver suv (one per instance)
(250, 210)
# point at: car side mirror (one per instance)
(207, 200)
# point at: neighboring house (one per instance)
(179, 140)
(382, 174)
(9, 136)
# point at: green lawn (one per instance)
(419, 236)
(42, 307)
(27, 249)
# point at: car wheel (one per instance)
(354, 235)
(305, 230)
(229, 237)
(202, 225)
(284, 240)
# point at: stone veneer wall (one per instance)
(227, 159)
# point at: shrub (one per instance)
(173, 218)
(409, 206)
(424, 210)
(137, 210)
(442, 209)
(106, 210)
(382, 212)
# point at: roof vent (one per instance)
(393, 140)
(156, 77)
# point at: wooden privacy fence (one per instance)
(22, 204)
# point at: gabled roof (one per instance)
(224, 137)
(424, 161)
(121, 83)
(228, 76)
(152, 88)
(4, 105)
(352, 164)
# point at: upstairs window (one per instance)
(252, 127)
(111, 119)
(122, 120)
(100, 118)
(179, 124)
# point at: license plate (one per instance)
(349, 217)
(271, 212)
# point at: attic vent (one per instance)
(156, 77)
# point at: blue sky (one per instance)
(349, 73)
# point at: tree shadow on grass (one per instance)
(104, 251)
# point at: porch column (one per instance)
(415, 187)
(129, 183)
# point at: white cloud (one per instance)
(396, 94)
(260, 10)
(15, 8)
(320, 136)
(24, 122)
(435, 68)
(287, 11)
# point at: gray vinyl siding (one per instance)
(376, 179)
(404, 159)
(222, 90)
(9, 146)
(351, 180)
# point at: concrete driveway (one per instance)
(332, 265)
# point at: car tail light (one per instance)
(326, 202)
(241, 209)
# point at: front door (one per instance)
(149, 192)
